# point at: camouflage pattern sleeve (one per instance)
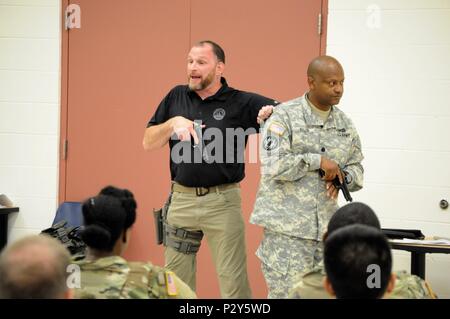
(409, 286)
(278, 158)
(353, 166)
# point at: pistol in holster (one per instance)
(160, 216)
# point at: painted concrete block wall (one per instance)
(397, 91)
(29, 111)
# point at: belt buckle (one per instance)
(199, 191)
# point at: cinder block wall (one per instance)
(397, 91)
(29, 111)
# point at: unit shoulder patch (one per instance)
(270, 143)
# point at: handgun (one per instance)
(198, 131)
(338, 185)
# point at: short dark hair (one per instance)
(353, 213)
(348, 253)
(218, 51)
(107, 216)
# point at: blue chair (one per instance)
(70, 212)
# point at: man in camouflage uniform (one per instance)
(113, 278)
(294, 204)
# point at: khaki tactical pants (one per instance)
(219, 216)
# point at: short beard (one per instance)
(203, 83)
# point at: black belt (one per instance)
(202, 191)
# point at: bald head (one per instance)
(323, 65)
(34, 267)
(325, 80)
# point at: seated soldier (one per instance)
(35, 267)
(310, 284)
(104, 274)
(358, 263)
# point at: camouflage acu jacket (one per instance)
(113, 278)
(292, 198)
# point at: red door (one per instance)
(123, 60)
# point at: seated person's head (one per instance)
(351, 214)
(358, 263)
(127, 199)
(34, 267)
(108, 219)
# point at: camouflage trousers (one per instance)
(283, 258)
(219, 216)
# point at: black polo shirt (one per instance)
(229, 112)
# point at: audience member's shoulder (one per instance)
(409, 286)
(310, 286)
(162, 283)
(314, 277)
(111, 262)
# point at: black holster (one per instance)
(159, 224)
(160, 216)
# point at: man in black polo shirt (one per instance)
(207, 124)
